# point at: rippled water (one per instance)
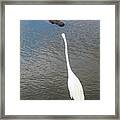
(43, 70)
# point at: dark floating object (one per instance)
(57, 22)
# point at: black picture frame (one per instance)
(2, 56)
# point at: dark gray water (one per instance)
(43, 70)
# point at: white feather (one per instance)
(75, 87)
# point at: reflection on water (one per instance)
(43, 67)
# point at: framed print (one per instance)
(59, 59)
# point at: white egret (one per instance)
(75, 87)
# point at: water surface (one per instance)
(43, 70)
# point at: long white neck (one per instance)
(66, 52)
